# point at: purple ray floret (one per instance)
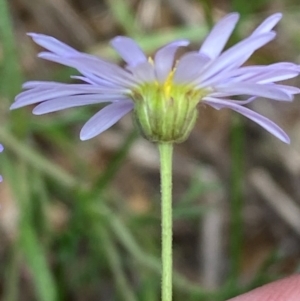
(215, 75)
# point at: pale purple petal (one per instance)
(102, 69)
(288, 89)
(261, 74)
(268, 24)
(268, 91)
(235, 56)
(84, 79)
(144, 72)
(219, 35)
(105, 118)
(52, 44)
(64, 50)
(189, 67)
(51, 84)
(284, 65)
(164, 59)
(128, 49)
(63, 103)
(33, 96)
(79, 88)
(43, 84)
(264, 122)
(274, 76)
(38, 95)
(96, 80)
(238, 102)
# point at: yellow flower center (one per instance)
(168, 84)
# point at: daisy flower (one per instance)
(164, 92)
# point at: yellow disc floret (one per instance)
(168, 84)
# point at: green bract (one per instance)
(166, 112)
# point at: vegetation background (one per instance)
(81, 220)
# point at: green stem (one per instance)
(165, 151)
(236, 236)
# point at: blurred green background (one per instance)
(81, 220)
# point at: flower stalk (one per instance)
(166, 151)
